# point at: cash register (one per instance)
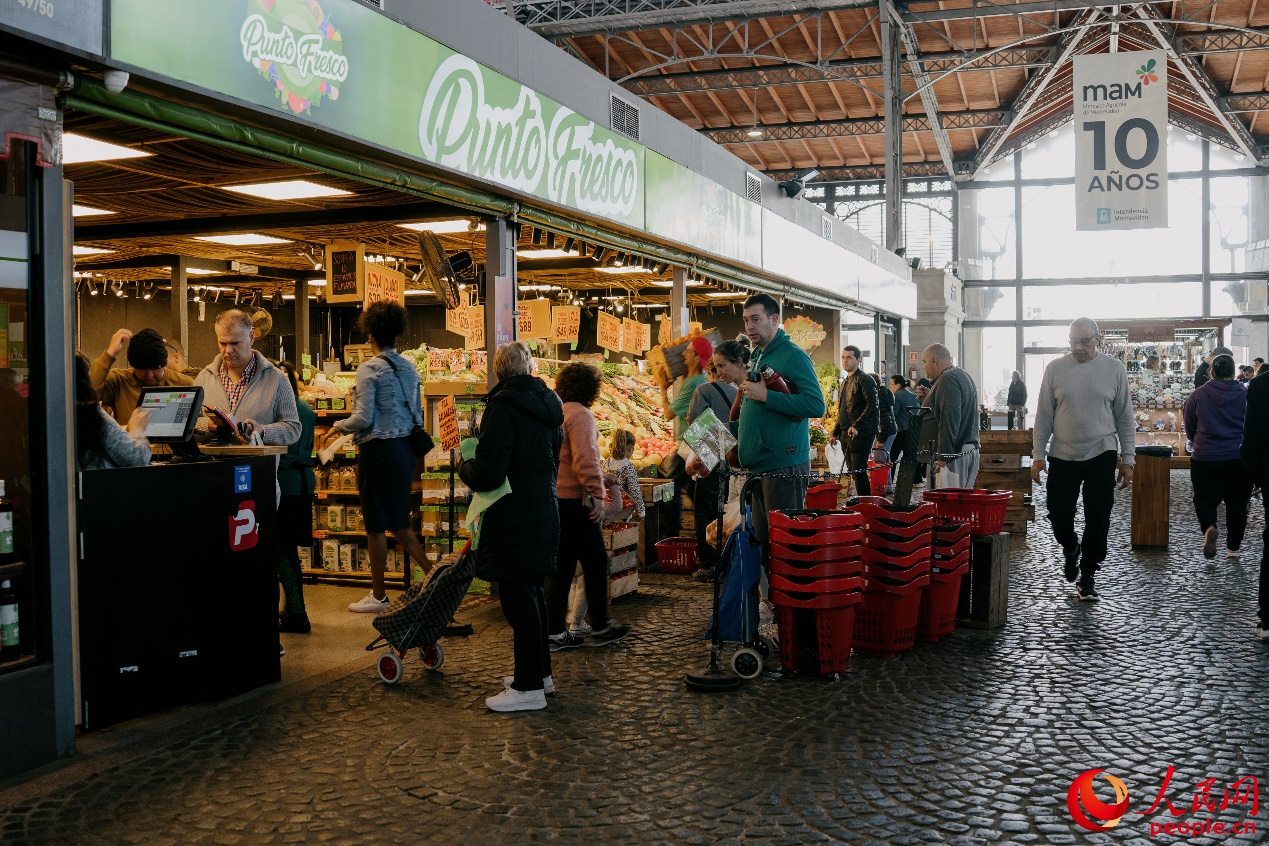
(174, 411)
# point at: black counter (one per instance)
(178, 591)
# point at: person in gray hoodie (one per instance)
(948, 439)
(1214, 422)
(241, 382)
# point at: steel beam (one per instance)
(891, 38)
(1203, 85)
(1058, 55)
(976, 119)
(995, 10)
(595, 17)
(925, 88)
(868, 172)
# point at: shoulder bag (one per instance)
(420, 441)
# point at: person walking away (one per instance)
(1082, 413)
(906, 408)
(695, 355)
(887, 430)
(295, 511)
(385, 411)
(858, 419)
(519, 442)
(1017, 402)
(119, 389)
(580, 489)
(1213, 416)
(949, 422)
(717, 395)
(774, 427)
(1255, 453)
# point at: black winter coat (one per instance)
(1017, 393)
(885, 400)
(858, 407)
(520, 439)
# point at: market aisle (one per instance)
(973, 740)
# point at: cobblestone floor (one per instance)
(972, 740)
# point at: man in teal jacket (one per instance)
(773, 429)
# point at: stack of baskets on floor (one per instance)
(897, 556)
(816, 587)
(949, 564)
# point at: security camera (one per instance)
(115, 80)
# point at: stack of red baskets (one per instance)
(949, 564)
(983, 510)
(816, 584)
(897, 556)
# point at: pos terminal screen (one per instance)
(173, 412)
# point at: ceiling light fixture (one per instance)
(289, 189)
(544, 254)
(88, 251)
(149, 291)
(78, 149)
(317, 283)
(245, 239)
(89, 211)
(625, 270)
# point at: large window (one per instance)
(1106, 300)
(989, 354)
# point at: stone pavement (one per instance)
(972, 740)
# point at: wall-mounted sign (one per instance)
(805, 332)
(384, 283)
(1121, 140)
(345, 272)
(343, 66)
(566, 323)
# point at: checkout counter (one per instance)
(177, 584)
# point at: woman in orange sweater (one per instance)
(580, 489)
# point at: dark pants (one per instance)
(857, 451)
(295, 528)
(777, 493)
(706, 511)
(524, 606)
(1215, 481)
(580, 541)
(1096, 477)
(903, 449)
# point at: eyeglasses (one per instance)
(1083, 342)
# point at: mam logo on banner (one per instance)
(1121, 141)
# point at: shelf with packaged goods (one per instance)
(349, 575)
(324, 494)
(12, 569)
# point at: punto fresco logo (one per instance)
(1082, 802)
(294, 44)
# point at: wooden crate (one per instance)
(996, 438)
(985, 593)
(999, 461)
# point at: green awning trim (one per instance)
(90, 95)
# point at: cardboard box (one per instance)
(347, 555)
(306, 557)
(335, 518)
(330, 554)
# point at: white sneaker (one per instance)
(580, 629)
(517, 700)
(548, 684)
(1232, 553)
(369, 605)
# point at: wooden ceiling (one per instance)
(786, 92)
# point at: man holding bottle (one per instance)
(781, 395)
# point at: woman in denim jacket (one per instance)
(385, 410)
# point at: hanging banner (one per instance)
(631, 336)
(608, 332)
(383, 283)
(534, 318)
(567, 323)
(1121, 140)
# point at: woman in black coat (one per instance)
(520, 439)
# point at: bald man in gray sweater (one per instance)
(1084, 427)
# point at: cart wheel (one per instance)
(433, 656)
(769, 649)
(747, 663)
(389, 667)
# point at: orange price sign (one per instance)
(567, 322)
(609, 332)
(447, 422)
(631, 336)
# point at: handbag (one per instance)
(419, 440)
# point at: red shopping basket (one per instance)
(983, 510)
(844, 537)
(816, 630)
(814, 520)
(887, 621)
(880, 533)
(949, 534)
(676, 555)
(811, 554)
(823, 570)
(879, 510)
(808, 587)
(938, 607)
(823, 496)
(878, 477)
(889, 572)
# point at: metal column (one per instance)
(500, 286)
(180, 303)
(678, 303)
(301, 323)
(891, 52)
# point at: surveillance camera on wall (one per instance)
(115, 80)
(792, 187)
